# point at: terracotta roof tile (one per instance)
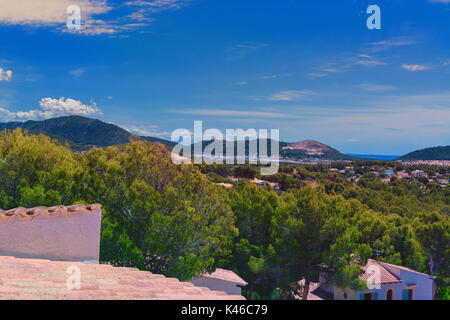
(405, 269)
(315, 292)
(385, 275)
(45, 279)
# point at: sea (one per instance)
(374, 156)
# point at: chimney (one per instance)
(58, 233)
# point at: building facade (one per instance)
(388, 282)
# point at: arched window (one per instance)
(390, 294)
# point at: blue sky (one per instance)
(310, 68)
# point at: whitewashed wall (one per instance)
(217, 285)
(61, 235)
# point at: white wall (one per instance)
(338, 294)
(424, 284)
(64, 237)
(217, 285)
(397, 287)
(422, 291)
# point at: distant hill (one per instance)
(80, 132)
(307, 150)
(311, 150)
(434, 153)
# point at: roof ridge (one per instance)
(225, 274)
(387, 270)
(383, 268)
(29, 213)
(404, 268)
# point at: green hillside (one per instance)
(434, 153)
(80, 132)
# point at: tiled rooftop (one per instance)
(45, 279)
(404, 268)
(385, 277)
(316, 292)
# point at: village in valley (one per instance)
(426, 173)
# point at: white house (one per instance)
(221, 280)
(394, 282)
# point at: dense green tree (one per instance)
(254, 208)
(171, 214)
(433, 232)
(245, 171)
(312, 230)
(35, 171)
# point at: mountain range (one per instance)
(80, 132)
(83, 133)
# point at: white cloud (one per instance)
(392, 43)
(347, 62)
(77, 72)
(147, 131)
(387, 44)
(290, 95)
(52, 13)
(230, 113)
(400, 118)
(243, 49)
(391, 120)
(239, 83)
(49, 108)
(277, 76)
(45, 12)
(5, 75)
(157, 5)
(332, 69)
(317, 75)
(370, 63)
(67, 106)
(374, 87)
(414, 67)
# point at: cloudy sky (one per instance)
(310, 68)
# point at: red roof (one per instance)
(405, 269)
(385, 275)
(316, 292)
